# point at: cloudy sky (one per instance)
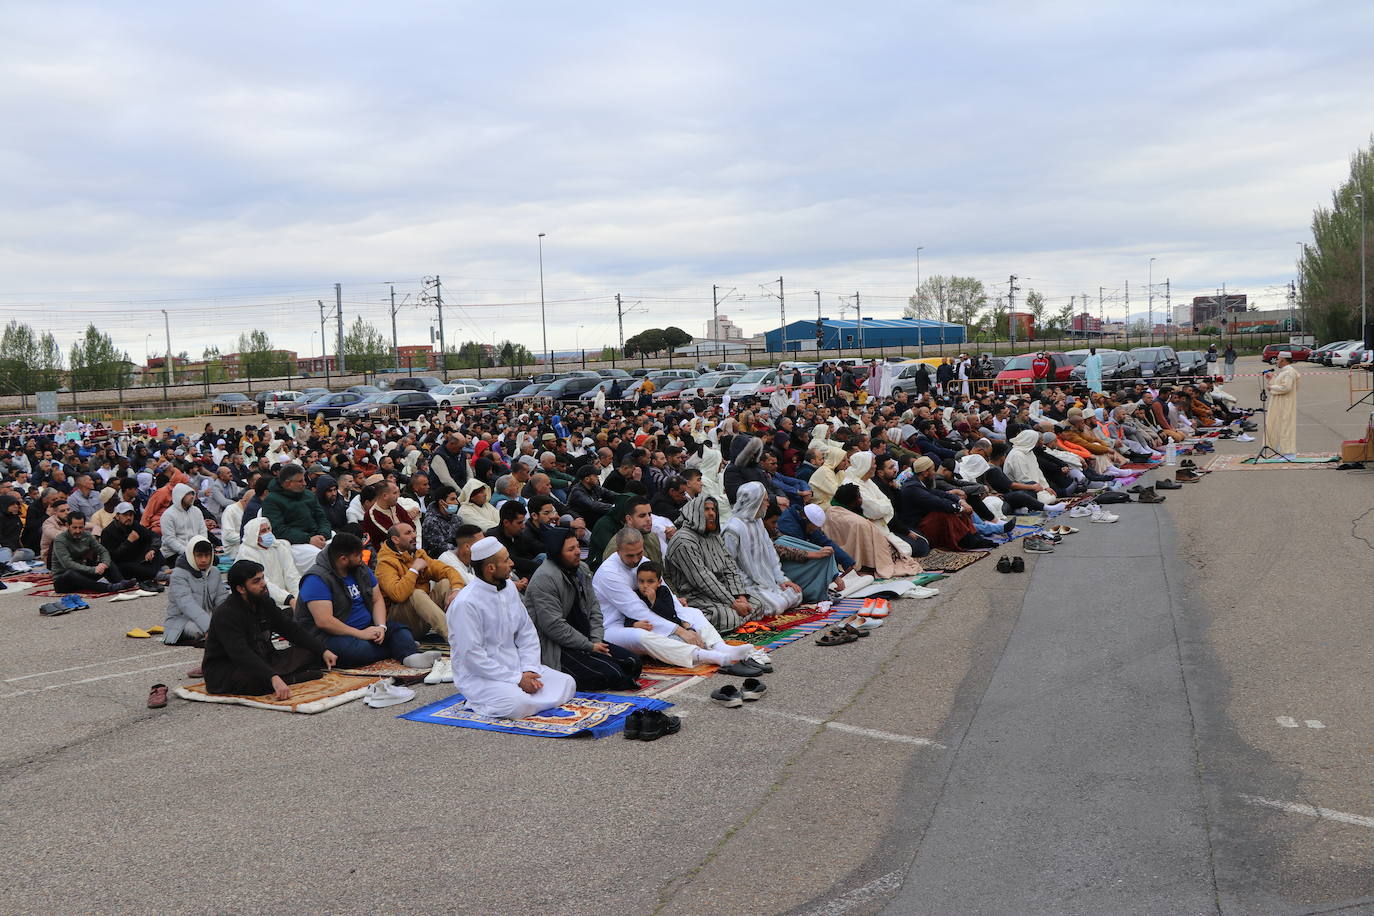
(230, 166)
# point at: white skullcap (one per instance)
(815, 515)
(487, 547)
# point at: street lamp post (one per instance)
(548, 361)
(920, 331)
(1151, 298)
(1364, 288)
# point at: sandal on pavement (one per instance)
(157, 697)
(744, 668)
(753, 689)
(728, 696)
(835, 637)
(136, 633)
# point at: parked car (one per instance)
(1157, 362)
(329, 406)
(1016, 374)
(402, 404)
(232, 402)
(1117, 365)
(315, 391)
(613, 373)
(1347, 356)
(531, 390)
(716, 384)
(444, 395)
(296, 409)
(570, 389)
(1192, 363)
(278, 401)
(672, 389)
(1328, 352)
(415, 383)
(1272, 352)
(749, 384)
(364, 390)
(661, 375)
(496, 391)
(1319, 354)
(741, 368)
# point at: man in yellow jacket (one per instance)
(416, 587)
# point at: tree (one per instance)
(259, 359)
(210, 353)
(1062, 320)
(646, 342)
(674, 337)
(468, 355)
(1329, 269)
(96, 363)
(364, 347)
(1035, 304)
(957, 299)
(514, 355)
(29, 361)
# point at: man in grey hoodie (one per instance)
(193, 591)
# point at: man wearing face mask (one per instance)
(416, 586)
(496, 653)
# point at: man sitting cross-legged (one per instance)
(416, 586)
(685, 638)
(496, 656)
(80, 562)
(340, 603)
(239, 655)
(568, 617)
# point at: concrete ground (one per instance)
(1126, 728)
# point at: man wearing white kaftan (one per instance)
(495, 645)
(1281, 424)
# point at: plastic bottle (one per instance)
(1170, 453)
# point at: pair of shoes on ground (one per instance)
(1037, 544)
(757, 662)
(1061, 530)
(839, 636)
(1011, 565)
(441, 672)
(387, 693)
(651, 724)
(140, 633)
(64, 605)
(731, 696)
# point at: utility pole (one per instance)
(395, 347)
(1168, 308)
(715, 314)
(1101, 311)
(324, 344)
(820, 329)
(1012, 289)
(859, 311)
(338, 314)
(1292, 303)
(171, 379)
(1128, 307)
(439, 303)
(620, 317)
(782, 315)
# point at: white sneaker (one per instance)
(920, 591)
(384, 693)
(441, 673)
(1080, 512)
(853, 582)
(1245, 437)
(1103, 517)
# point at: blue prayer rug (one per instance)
(595, 714)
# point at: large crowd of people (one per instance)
(556, 548)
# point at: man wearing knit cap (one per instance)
(496, 653)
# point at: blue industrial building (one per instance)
(875, 332)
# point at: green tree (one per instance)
(942, 298)
(259, 359)
(609, 353)
(1329, 269)
(469, 355)
(1035, 304)
(96, 363)
(365, 349)
(29, 361)
(646, 342)
(514, 355)
(674, 337)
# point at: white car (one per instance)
(751, 382)
(449, 395)
(278, 401)
(1349, 356)
(464, 398)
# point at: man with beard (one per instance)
(943, 518)
(885, 476)
(702, 570)
(568, 617)
(239, 655)
(496, 652)
(132, 547)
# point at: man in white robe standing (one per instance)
(1281, 423)
(495, 645)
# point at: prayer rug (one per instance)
(332, 690)
(654, 666)
(384, 668)
(38, 579)
(1304, 462)
(52, 593)
(595, 714)
(661, 685)
(948, 562)
(1146, 466)
(434, 645)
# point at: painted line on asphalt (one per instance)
(1313, 723)
(89, 680)
(1325, 814)
(838, 726)
(859, 896)
(1286, 721)
(108, 661)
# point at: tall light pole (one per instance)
(1151, 298)
(1364, 288)
(167, 324)
(920, 330)
(1302, 250)
(548, 361)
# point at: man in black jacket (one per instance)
(239, 655)
(942, 518)
(588, 498)
(133, 547)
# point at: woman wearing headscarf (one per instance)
(1022, 467)
(864, 540)
(748, 542)
(279, 566)
(712, 480)
(701, 570)
(744, 467)
(826, 478)
(476, 507)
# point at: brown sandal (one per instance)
(157, 697)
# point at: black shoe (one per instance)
(1136, 489)
(1168, 485)
(1009, 527)
(634, 723)
(54, 609)
(752, 689)
(652, 726)
(975, 542)
(671, 724)
(1004, 564)
(1018, 565)
(1149, 495)
(148, 585)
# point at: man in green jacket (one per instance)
(296, 515)
(80, 562)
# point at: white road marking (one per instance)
(860, 895)
(108, 661)
(1314, 723)
(837, 726)
(1287, 721)
(1327, 814)
(89, 680)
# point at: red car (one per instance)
(1016, 374)
(1272, 351)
